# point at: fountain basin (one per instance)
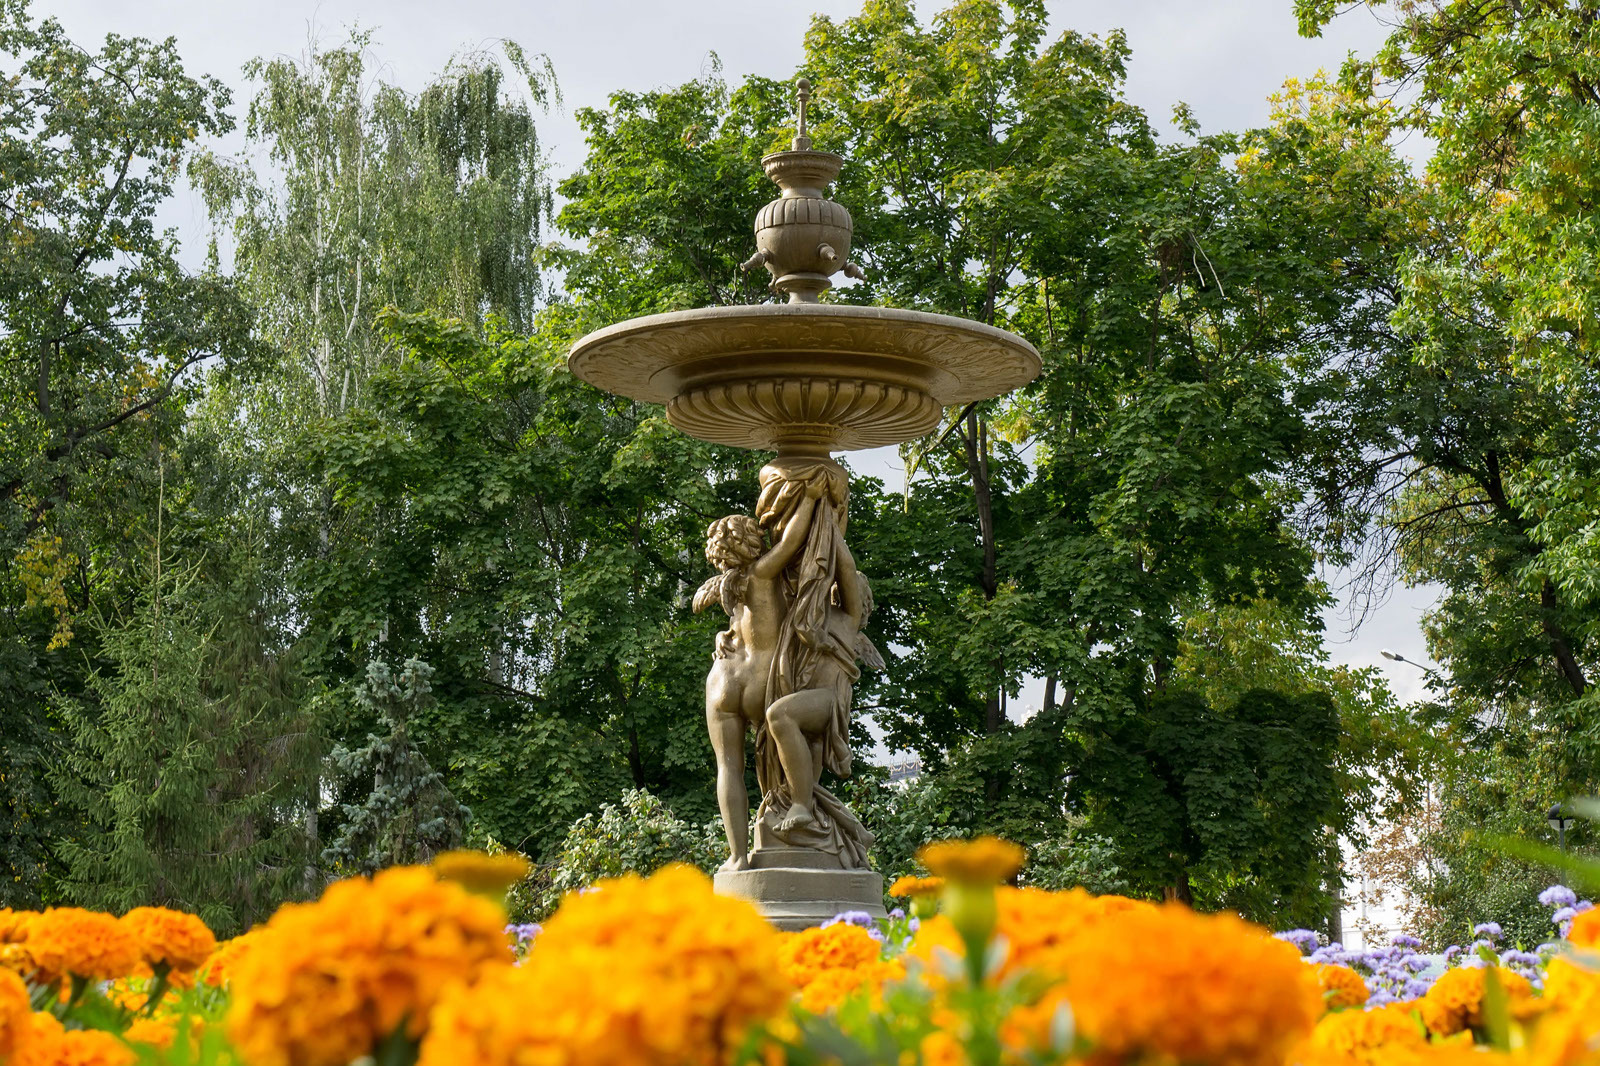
(804, 377)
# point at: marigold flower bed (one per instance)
(418, 965)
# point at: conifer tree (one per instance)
(189, 754)
(410, 813)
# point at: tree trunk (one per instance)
(1570, 670)
(1179, 891)
(976, 440)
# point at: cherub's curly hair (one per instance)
(732, 544)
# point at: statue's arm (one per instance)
(772, 563)
(849, 583)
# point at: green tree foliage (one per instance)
(1218, 801)
(104, 336)
(1449, 449)
(1001, 177)
(31, 821)
(408, 813)
(637, 834)
(1479, 463)
(536, 543)
(664, 199)
(186, 757)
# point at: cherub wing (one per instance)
(709, 593)
(867, 652)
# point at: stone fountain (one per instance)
(802, 379)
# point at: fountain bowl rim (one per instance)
(614, 359)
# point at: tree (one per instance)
(102, 329)
(1475, 460)
(367, 196)
(187, 757)
(538, 542)
(1000, 177)
(408, 815)
(104, 336)
(666, 194)
(1228, 805)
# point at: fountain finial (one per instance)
(802, 95)
(802, 237)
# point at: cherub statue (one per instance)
(750, 589)
(787, 662)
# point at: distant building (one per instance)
(904, 770)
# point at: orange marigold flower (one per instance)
(907, 887)
(1585, 929)
(1364, 1036)
(478, 871)
(1038, 928)
(330, 980)
(14, 954)
(1572, 988)
(1188, 988)
(87, 944)
(14, 1011)
(642, 972)
(156, 1032)
(803, 955)
(1569, 1038)
(14, 925)
(940, 1048)
(1455, 1001)
(217, 971)
(172, 939)
(829, 988)
(1341, 986)
(47, 1043)
(984, 860)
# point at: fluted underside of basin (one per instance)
(788, 414)
(804, 377)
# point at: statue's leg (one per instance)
(727, 741)
(792, 721)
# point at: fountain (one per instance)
(802, 379)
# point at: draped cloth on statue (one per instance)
(817, 648)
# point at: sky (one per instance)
(1221, 57)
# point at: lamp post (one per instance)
(1560, 819)
(1397, 657)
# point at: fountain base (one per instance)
(798, 888)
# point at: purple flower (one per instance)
(897, 913)
(1304, 939)
(1582, 905)
(914, 924)
(524, 932)
(1405, 940)
(1558, 896)
(860, 918)
(1451, 952)
(1519, 958)
(1416, 988)
(1488, 930)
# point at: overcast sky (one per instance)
(1222, 57)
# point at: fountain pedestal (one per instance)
(797, 888)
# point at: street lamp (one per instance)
(1561, 819)
(1397, 657)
